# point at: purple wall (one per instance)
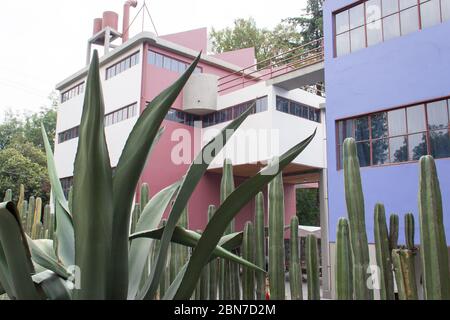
(401, 71)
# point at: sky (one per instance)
(44, 41)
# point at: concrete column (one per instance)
(323, 193)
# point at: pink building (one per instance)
(136, 70)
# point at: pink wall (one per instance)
(161, 172)
(196, 39)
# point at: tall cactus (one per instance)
(260, 245)
(213, 265)
(248, 253)
(8, 196)
(276, 239)
(37, 225)
(21, 200)
(312, 268)
(144, 195)
(30, 215)
(344, 276)
(403, 260)
(393, 232)
(356, 215)
(409, 231)
(295, 270)
(434, 252)
(229, 272)
(386, 279)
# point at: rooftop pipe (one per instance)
(126, 19)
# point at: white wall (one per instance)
(118, 92)
(276, 131)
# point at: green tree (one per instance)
(308, 209)
(246, 34)
(10, 129)
(17, 169)
(310, 22)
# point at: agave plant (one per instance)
(93, 255)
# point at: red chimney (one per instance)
(126, 19)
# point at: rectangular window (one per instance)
(169, 63)
(370, 22)
(72, 93)
(399, 135)
(122, 65)
(282, 104)
(297, 109)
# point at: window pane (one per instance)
(358, 39)
(282, 105)
(341, 156)
(409, 20)
(440, 144)
(159, 60)
(445, 8)
(437, 115)
(362, 129)
(416, 118)
(389, 7)
(363, 150)
(151, 58)
(343, 44)
(345, 130)
(182, 67)
(398, 149)
(430, 13)
(391, 27)
(374, 33)
(166, 63)
(380, 151)
(357, 16)
(342, 22)
(397, 122)
(417, 145)
(373, 10)
(379, 125)
(407, 4)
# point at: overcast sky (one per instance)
(44, 41)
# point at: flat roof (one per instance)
(149, 37)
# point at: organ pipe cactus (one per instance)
(227, 271)
(434, 251)
(260, 245)
(295, 270)
(248, 253)
(393, 232)
(356, 215)
(312, 268)
(403, 260)
(276, 239)
(344, 277)
(8, 196)
(383, 255)
(213, 265)
(409, 231)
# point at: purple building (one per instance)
(387, 70)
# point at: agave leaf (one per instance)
(132, 162)
(150, 218)
(42, 254)
(15, 263)
(54, 287)
(190, 181)
(190, 239)
(226, 212)
(92, 194)
(228, 242)
(64, 224)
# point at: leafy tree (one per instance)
(245, 34)
(17, 169)
(310, 22)
(9, 129)
(308, 209)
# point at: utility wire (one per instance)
(151, 19)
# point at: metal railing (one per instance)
(286, 62)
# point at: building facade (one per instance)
(387, 70)
(136, 71)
